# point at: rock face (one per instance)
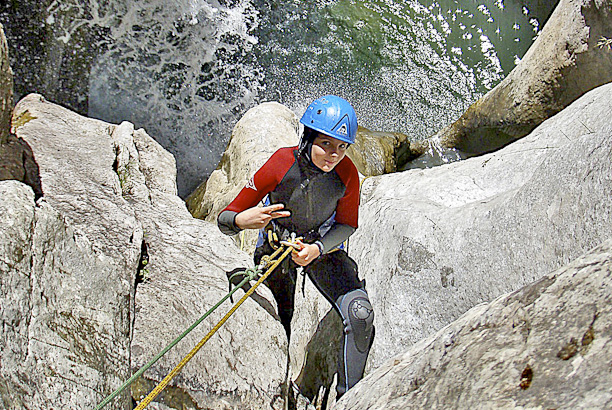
(433, 243)
(104, 266)
(378, 153)
(81, 309)
(68, 268)
(563, 63)
(66, 311)
(546, 346)
(244, 365)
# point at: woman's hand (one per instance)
(259, 217)
(308, 253)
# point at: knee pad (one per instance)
(355, 308)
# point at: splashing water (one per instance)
(187, 70)
(184, 71)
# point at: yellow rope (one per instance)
(158, 389)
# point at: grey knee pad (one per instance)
(356, 307)
(358, 319)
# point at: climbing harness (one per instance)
(267, 262)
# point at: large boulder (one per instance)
(565, 61)
(259, 133)
(66, 306)
(68, 268)
(433, 243)
(108, 267)
(244, 365)
(546, 346)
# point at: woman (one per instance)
(313, 191)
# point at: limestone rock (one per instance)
(66, 311)
(378, 153)
(433, 243)
(259, 133)
(108, 267)
(564, 62)
(243, 365)
(546, 346)
(70, 300)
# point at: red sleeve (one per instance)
(347, 211)
(264, 181)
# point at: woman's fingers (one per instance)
(273, 207)
(273, 211)
(257, 218)
(282, 214)
(301, 244)
(304, 256)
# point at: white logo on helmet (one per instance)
(342, 130)
(251, 184)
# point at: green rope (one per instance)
(250, 274)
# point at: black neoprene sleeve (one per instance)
(335, 236)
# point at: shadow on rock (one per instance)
(17, 162)
(317, 376)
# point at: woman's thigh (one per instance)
(334, 274)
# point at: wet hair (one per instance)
(306, 141)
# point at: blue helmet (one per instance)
(333, 116)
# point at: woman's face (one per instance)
(327, 152)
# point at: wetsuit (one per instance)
(324, 210)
